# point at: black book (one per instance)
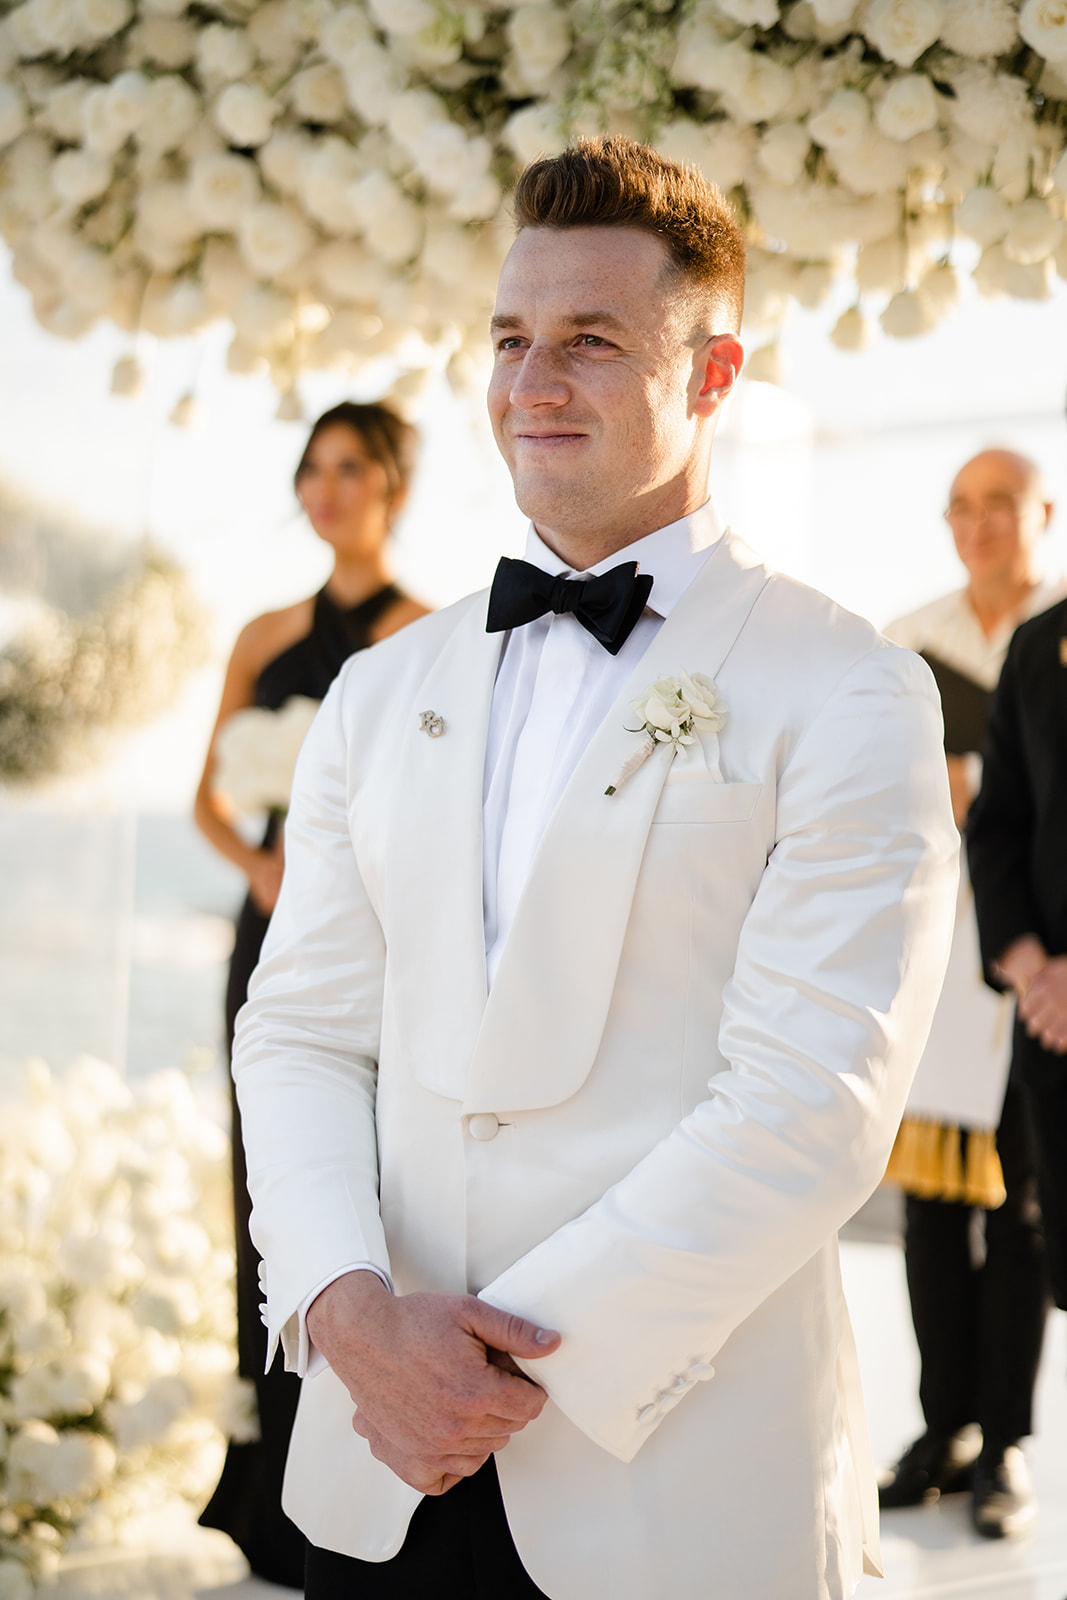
(964, 705)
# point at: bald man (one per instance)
(964, 1146)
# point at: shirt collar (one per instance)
(673, 555)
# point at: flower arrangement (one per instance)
(117, 1320)
(67, 679)
(330, 174)
(669, 712)
(256, 751)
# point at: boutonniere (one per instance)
(670, 712)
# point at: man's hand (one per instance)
(1043, 1007)
(432, 1398)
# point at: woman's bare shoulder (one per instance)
(260, 640)
(398, 615)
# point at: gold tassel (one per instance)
(928, 1161)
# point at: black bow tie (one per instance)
(607, 607)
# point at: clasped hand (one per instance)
(430, 1376)
(1043, 1005)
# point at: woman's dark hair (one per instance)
(389, 439)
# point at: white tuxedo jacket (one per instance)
(688, 1074)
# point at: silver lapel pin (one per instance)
(431, 723)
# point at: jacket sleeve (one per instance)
(306, 1049)
(1000, 827)
(838, 969)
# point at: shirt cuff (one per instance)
(309, 1360)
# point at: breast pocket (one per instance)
(704, 800)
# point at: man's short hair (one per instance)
(616, 183)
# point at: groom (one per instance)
(562, 1067)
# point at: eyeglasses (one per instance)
(998, 508)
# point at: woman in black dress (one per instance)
(351, 481)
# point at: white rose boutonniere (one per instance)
(670, 712)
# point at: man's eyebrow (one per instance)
(504, 322)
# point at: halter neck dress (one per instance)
(247, 1501)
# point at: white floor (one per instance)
(930, 1553)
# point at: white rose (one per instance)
(833, 13)
(765, 365)
(145, 1421)
(704, 58)
(909, 106)
(274, 35)
(540, 39)
(187, 307)
(173, 111)
(761, 90)
(844, 121)
(392, 223)
(165, 41)
(767, 289)
(941, 288)
(245, 113)
(224, 275)
(103, 132)
(257, 750)
(90, 280)
(979, 27)
(989, 105)
(535, 131)
(1059, 174)
(326, 175)
(783, 152)
(318, 94)
(412, 114)
(442, 157)
(343, 32)
(1013, 164)
(1043, 25)
(54, 23)
(101, 19)
(306, 17)
(402, 16)
(221, 189)
(63, 110)
(852, 331)
(751, 13)
(163, 209)
(346, 336)
(906, 316)
(281, 160)
(164, 8)
(373, 80)
(128, 95)
(875, 166)
(450, 254)
(273, 238)
(983, 215)
(224, 53)
(882, 265)
(14, 113)
(345, 270)
(814, 284)
(477, 199)
(79, 176)
(127, 377)
(902, 29)
(996, 274)
(1034, 231)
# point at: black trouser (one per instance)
(458, 1547)
(979, 1325)
(1047, 1105)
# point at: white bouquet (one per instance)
(118, 1379)
(256, 751)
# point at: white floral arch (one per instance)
(330, 175)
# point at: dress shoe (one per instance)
(932, 1466)
(1003, 1506)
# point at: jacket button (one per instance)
(484, 1126)
(648, 1414)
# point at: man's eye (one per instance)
(511, 342)
(592, 340)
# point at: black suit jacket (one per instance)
(1017, 828)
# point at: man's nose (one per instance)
(540, 380)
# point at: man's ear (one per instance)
(716, 370)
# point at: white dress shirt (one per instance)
(555, 684)
(554, 687)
